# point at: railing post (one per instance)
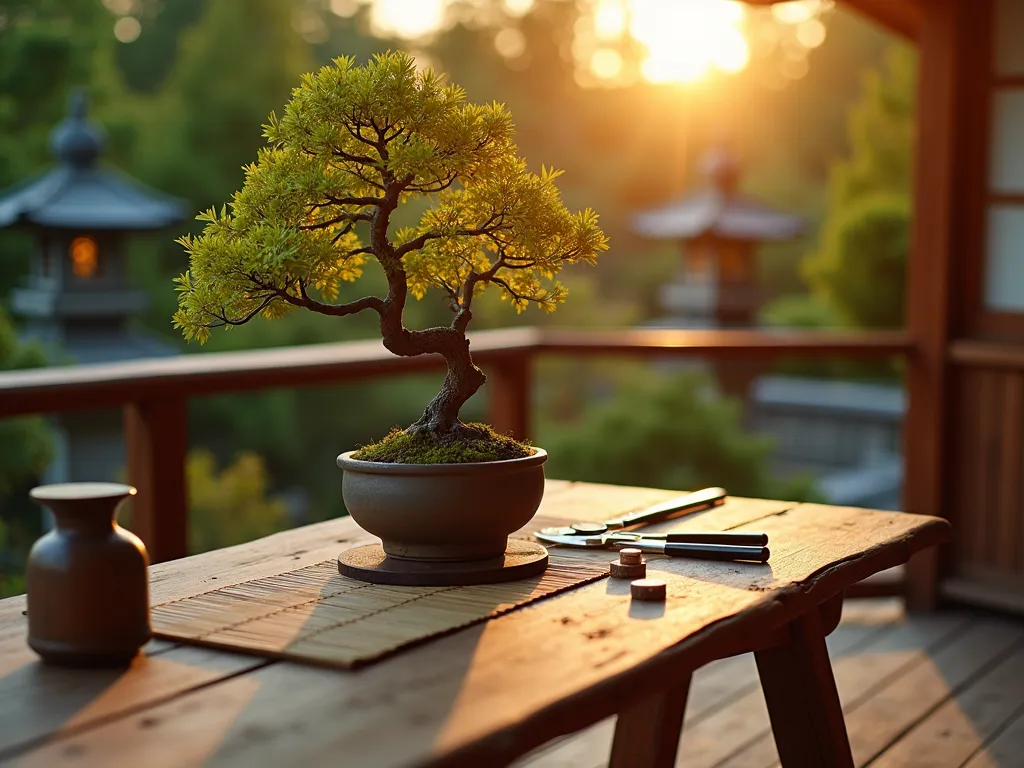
(931, 274)
(509, 385)
(156, 444)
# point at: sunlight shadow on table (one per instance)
(39, 701)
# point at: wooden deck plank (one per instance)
(1005, 750)
(740, 737)
(949, 736)
(465, 699)
(713, 688)
(886, 715)
(890, 687)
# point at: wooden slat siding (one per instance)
(985, 452)
(108, 385)
(969, 481)
(930, 268)
(1010, 467)
(464, 700)
(510, 393)
(156, 444)
(962, 725)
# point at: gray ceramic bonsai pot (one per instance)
(443, 512)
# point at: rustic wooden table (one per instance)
(489, 693)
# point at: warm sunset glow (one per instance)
(409, 19)
(617, 41)
(84, 256)
(687, 40)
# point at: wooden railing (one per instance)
(154, 393)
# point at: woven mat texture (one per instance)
(317, 616)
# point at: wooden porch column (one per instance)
(156, 444)
(930, 271)
(510, 394)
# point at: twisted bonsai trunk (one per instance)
(463, 379)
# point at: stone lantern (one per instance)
(77, 299)
(719, 231)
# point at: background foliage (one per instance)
(183, 105)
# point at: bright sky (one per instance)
(681, 41)
(684, 40)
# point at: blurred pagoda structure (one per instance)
(844, 434)
(77, 299)
(719, 231)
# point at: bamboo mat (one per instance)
(317, 616)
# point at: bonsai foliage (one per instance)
(353, 145)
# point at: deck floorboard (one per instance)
(921, 691)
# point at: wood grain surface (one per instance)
(491, 692)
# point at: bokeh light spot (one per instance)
(796, 11)
(811, 33)
(606, 63)
(609, 19)
(510, 43)
(127, 29)
(408, 19)
(519, 7)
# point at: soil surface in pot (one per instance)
(469, 443)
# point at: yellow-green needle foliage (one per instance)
(354, 144)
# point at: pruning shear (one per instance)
(665, 510)
(703, 546)
(612, 534)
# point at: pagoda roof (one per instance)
(715, 212)
(78, 194)
(718, 209)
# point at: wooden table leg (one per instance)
(647, 732)
(807, 719)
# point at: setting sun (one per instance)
(686, 40)
(617, 42)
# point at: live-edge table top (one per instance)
(477, 697)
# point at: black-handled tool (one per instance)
(723, 537)
(704, 551)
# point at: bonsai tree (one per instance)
(356, 143)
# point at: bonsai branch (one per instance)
(225, 320)
(519, 296)
(335, 310)
(344, 216)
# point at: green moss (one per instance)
(469, 443)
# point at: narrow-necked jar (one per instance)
(86, 579)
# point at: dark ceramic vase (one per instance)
(87, 584)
